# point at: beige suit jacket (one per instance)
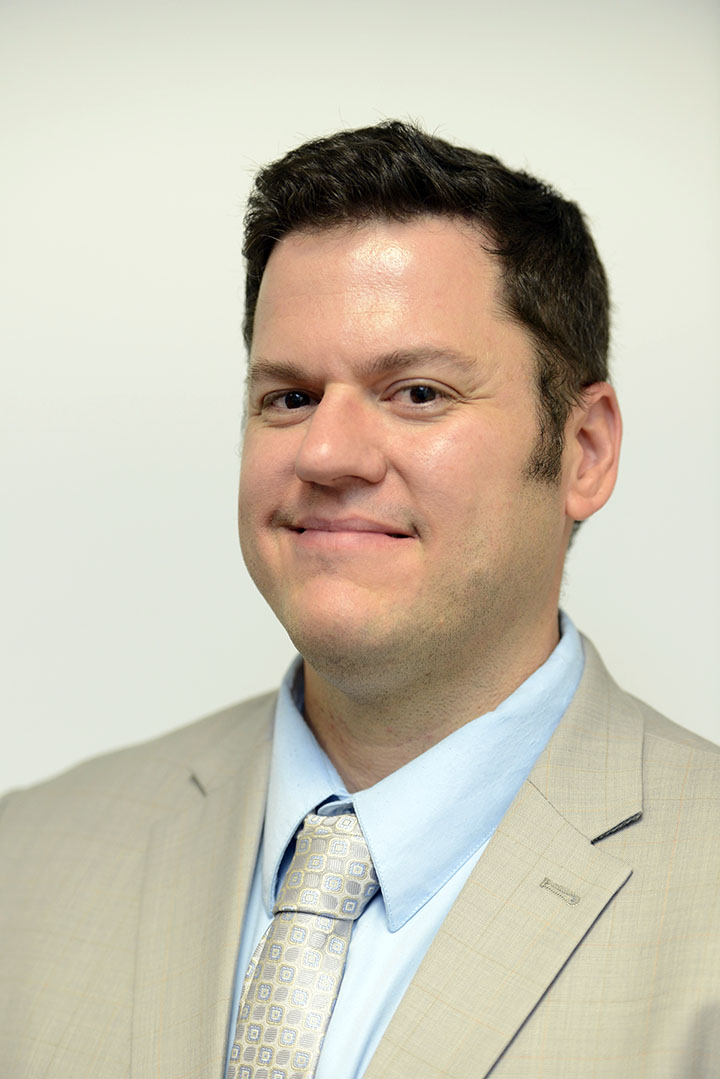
(586, 942)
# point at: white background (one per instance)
(130, 133)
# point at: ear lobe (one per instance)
(592, 442)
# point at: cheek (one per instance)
(247, 489)
(470, 481)
(254, 490)
(452, 467)
(489, 447)
(259, 471)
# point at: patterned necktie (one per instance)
(294, 976)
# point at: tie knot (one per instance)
(331, 872)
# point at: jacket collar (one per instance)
(591, 770)
(199, 866)
(541, 884)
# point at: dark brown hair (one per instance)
(553, 282)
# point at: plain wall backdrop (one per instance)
(131, 133)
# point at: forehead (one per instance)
(381, 286)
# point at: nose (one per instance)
(343, 442)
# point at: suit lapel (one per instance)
(531, 898)
(198, 872)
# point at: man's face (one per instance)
(385, 513)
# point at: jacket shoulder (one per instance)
(599, 695)
(147, 774)
(665, 730)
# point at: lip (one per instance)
(348, 525)
(344, 535)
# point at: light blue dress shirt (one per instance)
(426, 825)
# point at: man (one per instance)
(525, 857)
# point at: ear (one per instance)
(592, 446)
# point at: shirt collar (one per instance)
(302, 776)
(449, 800)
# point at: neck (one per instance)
(370, 732)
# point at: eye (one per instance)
(295, 399)
(287, 400)
(421, 394)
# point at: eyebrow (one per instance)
(397, 360)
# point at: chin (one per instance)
(332, 631)
(338, 611)
(332, 638)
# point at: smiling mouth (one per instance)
(350, 535)
(358, 527)
(354, 532)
